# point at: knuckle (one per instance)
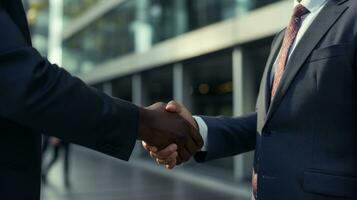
(172, 157)
(160, 103)
(153, 155)
(172, 149)
(163, 155)
(172, 102)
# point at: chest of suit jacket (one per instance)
(307, 137)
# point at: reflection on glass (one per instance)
(74, 8)
(211, 79)
(137, 25)
(122, 88)
(157, 85)
(37, 16)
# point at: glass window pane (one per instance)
(137, 25)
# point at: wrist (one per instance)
(144, 117)
(202, 130)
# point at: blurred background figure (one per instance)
(58, 148)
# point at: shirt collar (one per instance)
(311, 5)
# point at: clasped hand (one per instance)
(169, 133)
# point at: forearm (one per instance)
(46, 98)
(228, 136)
(43, 97)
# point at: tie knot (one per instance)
(300, 11)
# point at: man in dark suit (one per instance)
(39, 97)
(304, 130)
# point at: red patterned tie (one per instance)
(289, 38)
(290, 35)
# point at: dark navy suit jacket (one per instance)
(39, 97)
(305, 141)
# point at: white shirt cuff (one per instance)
(203, 130)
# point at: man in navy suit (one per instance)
(39, 97)
(304, 130)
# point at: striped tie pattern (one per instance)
(289, 38)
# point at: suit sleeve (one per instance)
(228, 136)
(45, 98)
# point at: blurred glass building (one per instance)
(207, 54)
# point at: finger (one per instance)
(153, 149)
(161, 162)
(152, 155)
(167, 152)
(148, 147)
(156, 105)
(172, 158)
(145, 146)
(167, 160)
(171, 161)
(171, 165)
(173, 106)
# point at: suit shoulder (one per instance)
(351, 15)
(352, 4)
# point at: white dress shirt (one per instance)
(315, 7)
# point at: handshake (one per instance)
(169, 133)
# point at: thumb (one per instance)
(173, 107)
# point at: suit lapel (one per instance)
(263, 101)
(311, 38)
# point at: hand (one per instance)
(159, 128)
(180, 109)
(175, 107)
(168, 155)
